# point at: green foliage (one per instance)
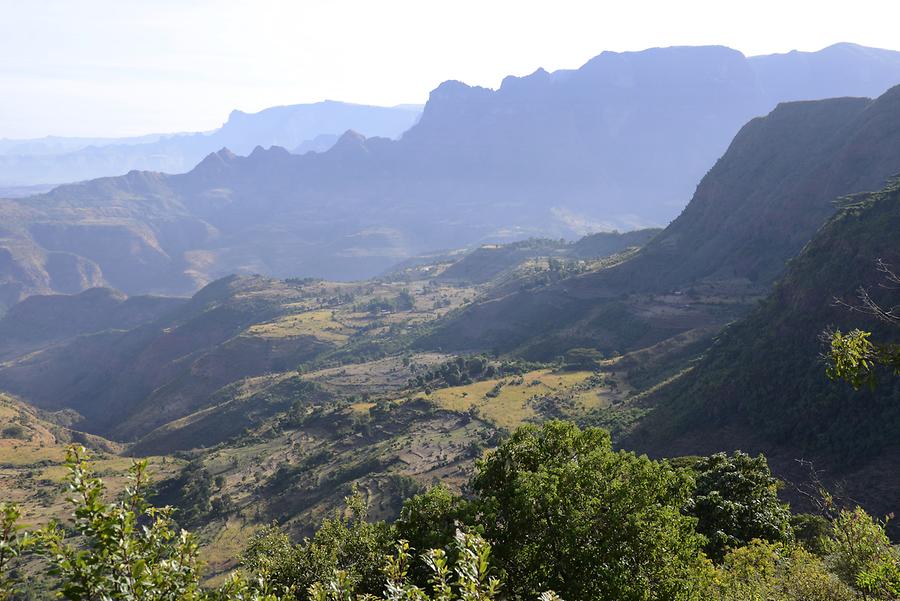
(345, 543)
(583, 358)
(566, 512)
(764, 571)
(190, 493)
(861, 554)
(853, 357)
(465, 370)
(811, 532)
(125, 550)
(466, 579)
(12, 544)
(430, 520)
(16, 431)
(735, 500)
(554, 508)
(402, 302)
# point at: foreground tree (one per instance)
(346, 543)
(467, 578)
(13, 543)
(125, 550)
(861, 554)
(565, 512)
(735, 501)
(764, 571)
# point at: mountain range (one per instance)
(300, 128)
(619, 143)
(754, 210)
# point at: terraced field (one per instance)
(511, 401)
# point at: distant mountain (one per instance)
(763, 200)
(55, 145)
(616, 144)
(58, 160)
(320, 143)
(762, 386)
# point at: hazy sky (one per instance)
(123, 67)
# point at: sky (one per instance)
(126, 67)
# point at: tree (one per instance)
(735, 500)
(467, 578)
(118, 557)
(854, 356)
(763, 571)
(565, 512)
(862, 556)
(345, 543)
(430, 520)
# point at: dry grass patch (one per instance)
(508, 401)
(320, 325)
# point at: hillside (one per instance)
(752, 212)
(552, 154)
(125, 380)
(40, 320)
(492, 261)
(762, 385)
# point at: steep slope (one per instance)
(751, 213)
(54, 161)
(762, 385)
(618, 143)
(40, 320)
(489, 261)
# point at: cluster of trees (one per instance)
(553, 513)
(404, 301)
(465, 370)
(582, 358)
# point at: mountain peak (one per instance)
(215, 162)
(350, 142)
(540, 76)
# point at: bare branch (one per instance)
(868, 306)
(890, 276)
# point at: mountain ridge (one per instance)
(549, 155)
(753, 211)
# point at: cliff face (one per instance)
(755, 209)
(762, 385)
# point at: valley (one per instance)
(302, 390)
(622, 332)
